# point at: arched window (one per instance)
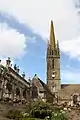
(24, 93)
(9, 86)
(17, 91)
(34, 92)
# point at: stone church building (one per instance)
(60, 92)
(16, 88)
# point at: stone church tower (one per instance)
(53, 62)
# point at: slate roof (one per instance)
(69, 89)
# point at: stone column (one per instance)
(1, 88)
(71, 103)
(21, 94)
(27, 96)
(13, 91)
(4, 88)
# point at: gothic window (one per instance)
(52, 52)
(34, 92)
(9, 86)
(52, 64)
(17, 91)
(48, 65)
(24, 93)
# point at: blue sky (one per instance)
(24, 31)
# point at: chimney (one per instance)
(8, 61)
(23, 74)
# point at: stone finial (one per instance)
(23, 74)
(29, 80)
(15, 67)
(35, 76)
(11, 65)
(8, 61)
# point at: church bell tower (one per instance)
(53, 62)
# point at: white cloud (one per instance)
(38, 13)
(72, 47)
(12, 43)
(70, 76)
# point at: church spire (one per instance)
(52, 36)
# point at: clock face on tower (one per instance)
(53, 74)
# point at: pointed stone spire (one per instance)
(52, 36)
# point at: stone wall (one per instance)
(12, 85)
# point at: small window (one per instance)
(52, 52)
(52, 64)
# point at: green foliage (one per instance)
(59, 115)
(40, 109)
(37, 111)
